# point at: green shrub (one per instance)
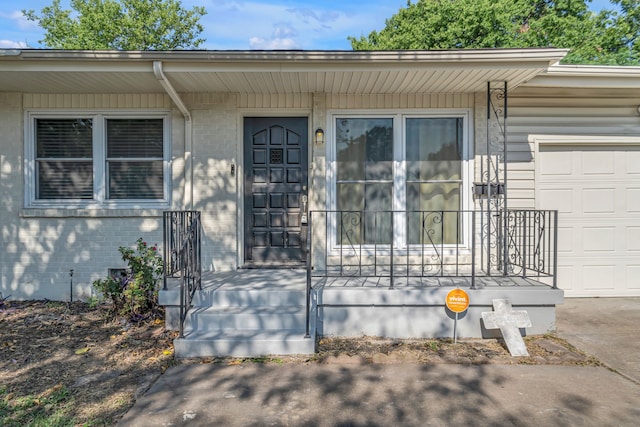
(135, 293)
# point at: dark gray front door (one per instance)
(275, 153)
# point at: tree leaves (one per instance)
(608, 37)
(120, 25)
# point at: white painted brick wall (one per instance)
(215, 150)
(40, 247)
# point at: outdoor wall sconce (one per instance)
(319, 136)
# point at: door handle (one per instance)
(303, 216)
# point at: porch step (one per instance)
(245, 322)
(203, 343)
(229, 297)
(252, 318)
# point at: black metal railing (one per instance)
(430, 243)
(532, 243)
(391, 243)
(182, 256)
(395, 244)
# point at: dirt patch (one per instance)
(64, 364)
(543, 350)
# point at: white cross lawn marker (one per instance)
(509, 322)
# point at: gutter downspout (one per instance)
(188, 132)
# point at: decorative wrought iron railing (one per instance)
(390, 243)
(182, 255)
(408, 244)
(532, 243)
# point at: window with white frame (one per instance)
(86, 160)
(412, 164)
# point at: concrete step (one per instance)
(202, 343)
(246, 323)
(247, 318)
(248, 297)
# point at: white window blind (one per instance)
(135, 159)
(64, 160)
(99, 159)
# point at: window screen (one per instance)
(64, 159)
(134, 159)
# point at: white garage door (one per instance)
(596, 190)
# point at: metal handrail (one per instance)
(308, 262)
(182, 255)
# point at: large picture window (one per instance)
(399, 177)
(97, 160)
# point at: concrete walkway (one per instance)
(418, 395)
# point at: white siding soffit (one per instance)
(340, 72)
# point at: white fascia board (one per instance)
(579, 140)
(588, 76)
(290, 60)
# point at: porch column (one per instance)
(495, 180)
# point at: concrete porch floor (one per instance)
(296, 279)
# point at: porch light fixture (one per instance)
(319, 136)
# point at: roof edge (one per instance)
(549, 55)
(588, 76)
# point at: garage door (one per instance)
(596, 190)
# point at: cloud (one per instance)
(282, 37)
(321, 17)
(22, 22)
(291, 24)
(284, 30)
(10, 44)
(216, 6)
(275, 43)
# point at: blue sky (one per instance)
(248, 24)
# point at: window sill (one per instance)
(90, 213)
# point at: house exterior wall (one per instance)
(41, 246)
(577, 152)
(215, 141)
(45, 244)
(543, 111)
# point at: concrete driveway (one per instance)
(607, 328)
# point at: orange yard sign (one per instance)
(457, 300)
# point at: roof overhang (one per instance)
(275, 72)
(588, 76)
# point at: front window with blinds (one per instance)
(64, 159)
(134, 159)
(97, 160)
(399, 177)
